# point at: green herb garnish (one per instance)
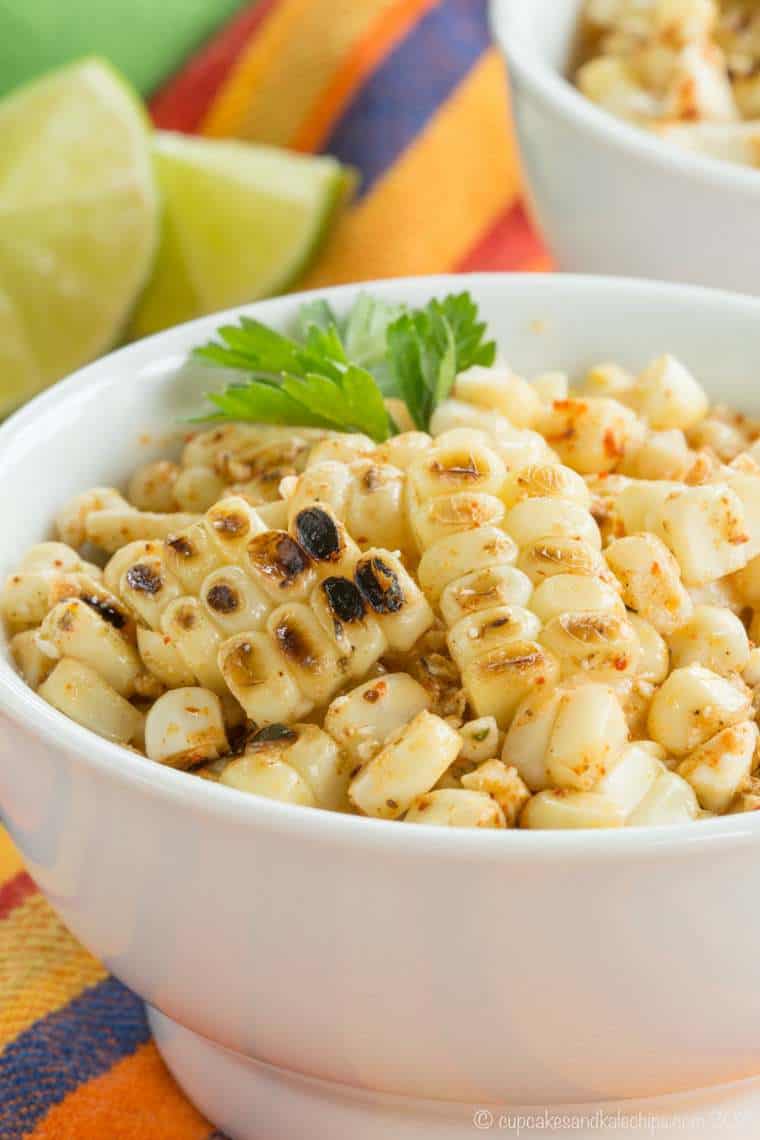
(339, 370)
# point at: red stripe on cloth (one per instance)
(183, 102)
(510, 243)
(13, 893)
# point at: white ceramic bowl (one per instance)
(472, 966)
(610, 197)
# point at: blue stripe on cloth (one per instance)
(66, 1049)
(408, 87)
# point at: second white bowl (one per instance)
(609, 197)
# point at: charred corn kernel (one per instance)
(543, 518)
(746, 487)
(562, 809)
(720, 768)
(527, 741)
(670, 800)
(503, 784)
(258, 677)
(496, 681)
(279, 566)
(700, 88)
(361, 721)
(550, 386)
(480, 740)
(449, 514)
(393, 597)
(231, 524)
(93, 593)
(233, 602)
(661, 455)
(206, 447)
(706, 529)
(73, 629)
(693, 705)
(27, 593)
(456, 807)
(80, 692)
(52, 556)
(639, 503)
(482, 590)
(490, 629)
(33, 665)
(564, 593)
(633, 776)
(196, 639)
(71, 520)
(376, 513)
(668, 396)
(544, 557)
(162, 660)
(111, 529)
(654, 660)
(590, 434)
(745, 583)
(345, 447)
(148, 587)
(458, 554)
(713, 637)
(328, 483)
(523, 448)
(324, 539)
(650, 578)
(406, 767)
(274, 515)
(313, 754)
(184, 728)
(346, 619)
(722, 438)
(592, 640)
(402, 450)
(197, 488)
(545, 481)
(267, 775)
(309, 654)
(259, 470)
(190, 556)
(607, 379)
(501, 390)
(151, 487)
(588, 736)
(452, 414)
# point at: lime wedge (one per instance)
(78, 223)
(241, 221)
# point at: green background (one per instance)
(147, 39)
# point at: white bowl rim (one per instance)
(35, 716)
(556, 91)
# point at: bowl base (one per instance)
(250, 1100)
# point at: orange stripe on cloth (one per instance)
(292, 59)
(135, 1100)
(10, 860)
(381, 38)
(438, 198)
(42, 966)
(511, 243)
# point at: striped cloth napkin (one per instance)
(411, 93)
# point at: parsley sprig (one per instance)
(336, 372)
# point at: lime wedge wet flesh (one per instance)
(78, 223)
(241, 221)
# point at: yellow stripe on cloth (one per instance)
(135, 1100)
(440, 196)
(292, 59)
(10, 860)
(42, 966)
